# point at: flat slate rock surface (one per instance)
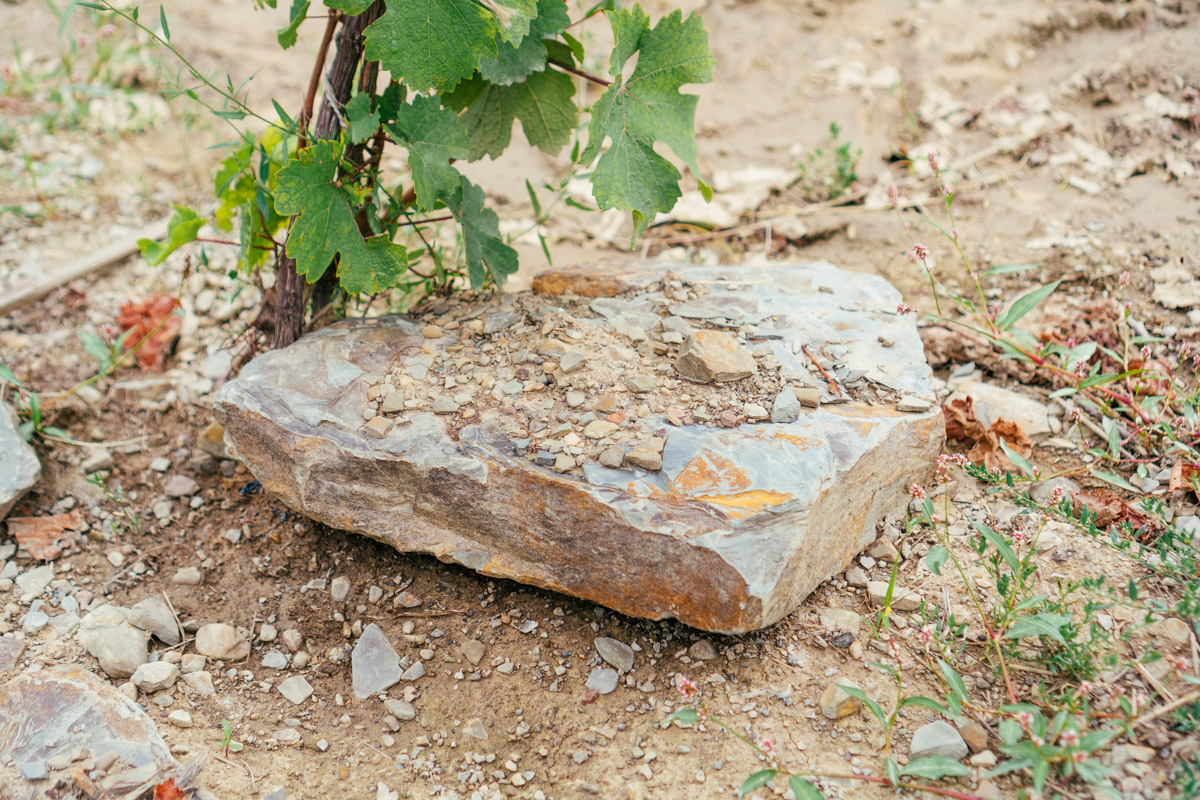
(741, 522)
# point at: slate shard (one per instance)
(751, 518)
(374, 663)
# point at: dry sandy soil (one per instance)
(1070, 132)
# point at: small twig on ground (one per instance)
(824, 374)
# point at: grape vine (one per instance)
(314, 195)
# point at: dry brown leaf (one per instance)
(144, 317)
(45, 538)
(963, 426)
(1110, 509)
(1183, 474)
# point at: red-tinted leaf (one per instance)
(167, 790)
(144, 317)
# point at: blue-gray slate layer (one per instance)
(738, 527)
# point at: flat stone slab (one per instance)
(474, 452)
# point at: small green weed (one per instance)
(830, 171)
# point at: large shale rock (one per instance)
(738, 526)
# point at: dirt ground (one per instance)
(1070, 133)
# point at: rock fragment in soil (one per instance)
(992, 404)
(180, 486)
(155, 676)
(615, 652)
(11, 649)
(221, 642)
(474, 728)
(154, 616)
(752, 517)
(65, 709)
(473, 650)
(714, 357)
(703, 650)
(119, 647)
(938, 738)
(374, 663)
(902, 599)
(19, 465)
(296, 689)
(836, 702)
(603, 680)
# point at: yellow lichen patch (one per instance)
(852, 410)
(745, 504)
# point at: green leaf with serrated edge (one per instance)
(433, 136)
(646, 108)
(351, 7)
(756, 780)
(183, 228)
(296, 17)
(486, 254)
(513, 18)
(543, 102)
(431, 44)
(935, 558)
(1024, 304)
(381, 270)
(934, 767)
(804, 789)
(512, 64)
(363, 121)
(324, 226)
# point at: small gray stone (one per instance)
(910, 404)
(641, 384)
(544, 458)
(500, 320)
(839, 619)
(296, 689)
(1042, 490)
(154, 617)
(268, 633)
(375, 665)
(714, 357)
(755, 412)
(160, 464)
(473, 650)
(400, 710)
(293, 639)
(33, 582)
(702, 650)
(571, 361)
(19, 465)
(201, 682)
(191, 662)
(155, 676)
(10, 651)
(576, 398)
(902, 599)
(180, 486)
(417, 670)
(474, 728)
(275, 660)
(35, 770)
(786, 407)
(118, 646)
(857, 577)
(615, 652)
(187, 576)
(339, 589)
(603, 680)
(647, 456)
(34, 621)
(221, 642)
(938, 738)
(612, 457)
(97, 459)
(443, 405)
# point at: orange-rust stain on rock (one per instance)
(707, 472)
(803, 442)
(745, 504)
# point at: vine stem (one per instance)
(593, 78)
(314, 81)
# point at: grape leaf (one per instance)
(647, 107)
(384, 264)
(431, 44)
(287, 36)
(512, 64)
(351, 7)
(433, 136)
(183, 227)
(324, 224)
(363, 121)
(543, 103)
(513, 18)
(485, 253)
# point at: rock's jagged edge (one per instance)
(714, 540)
